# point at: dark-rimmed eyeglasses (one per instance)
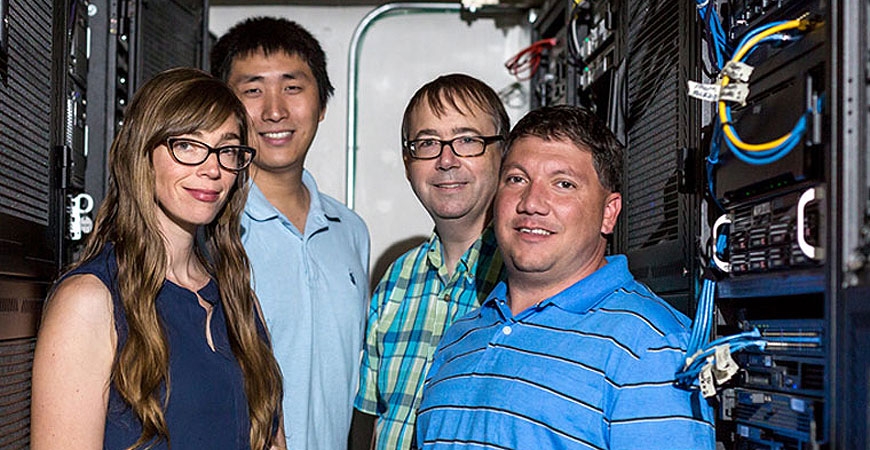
(463, 146)
(191, 152)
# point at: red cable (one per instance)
(529, 58)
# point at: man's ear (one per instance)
(322, 113)
(406, 161)
(612, 207)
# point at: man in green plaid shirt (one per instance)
(453, 134)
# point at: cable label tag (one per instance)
(725, 367)
(704, 92)
(705, 381)
(737, 71)
(735, 92)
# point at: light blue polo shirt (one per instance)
(313, 288)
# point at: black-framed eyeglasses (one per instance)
(191, 152)
(464, 146)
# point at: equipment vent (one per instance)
(813, 377)
(653, 123)
(171, 35)
(25, 114)
(16, 362)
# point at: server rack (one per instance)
(784, 240)
(37, 103)
(131, 41)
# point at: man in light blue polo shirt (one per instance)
(309, 253)
(571, 352)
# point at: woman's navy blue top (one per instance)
(207, 408)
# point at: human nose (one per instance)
(274, 109)
(211, 166)
(447, 159)
(533, 200)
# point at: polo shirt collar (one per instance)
(467, 261)
(259, 209)
(583, 295)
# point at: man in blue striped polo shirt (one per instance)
(571, 352)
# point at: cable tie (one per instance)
(691, 359)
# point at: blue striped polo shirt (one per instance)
(589, 368)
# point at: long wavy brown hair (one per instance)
(176, 102)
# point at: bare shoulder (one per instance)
(79, 313)
(81, 297)
(72, 365)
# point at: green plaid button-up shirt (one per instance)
(412, 306)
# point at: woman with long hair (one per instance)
(154, 338)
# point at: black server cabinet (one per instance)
(848, 306)
(131, 41)
(787, 237)
(42, 48)
(661, 217)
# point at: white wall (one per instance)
(399, 54)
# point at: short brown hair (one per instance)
(453, 89)
(580, 127)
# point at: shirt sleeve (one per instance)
(653, 410)
(367, 394)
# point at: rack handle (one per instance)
(722, 220)
(810, 195)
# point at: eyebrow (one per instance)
(257, 77)
(455, 131)
(567, 172)
(230, 137)
(224, 137)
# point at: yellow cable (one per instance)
(723, 117)
(752, 42)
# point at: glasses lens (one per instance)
(468, 146)
(235, 158)
(189, 152)
(425, 148)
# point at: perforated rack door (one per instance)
(171, 34)
(25, 114)
(659, 224)
(16, 362)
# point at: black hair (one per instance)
(271, 35)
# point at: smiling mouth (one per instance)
(276, 134)
(451, 185)
(205, 195)
(535, 231)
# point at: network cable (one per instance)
(753, 154)
(528, 59)
(768, 152)
(718, 42)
